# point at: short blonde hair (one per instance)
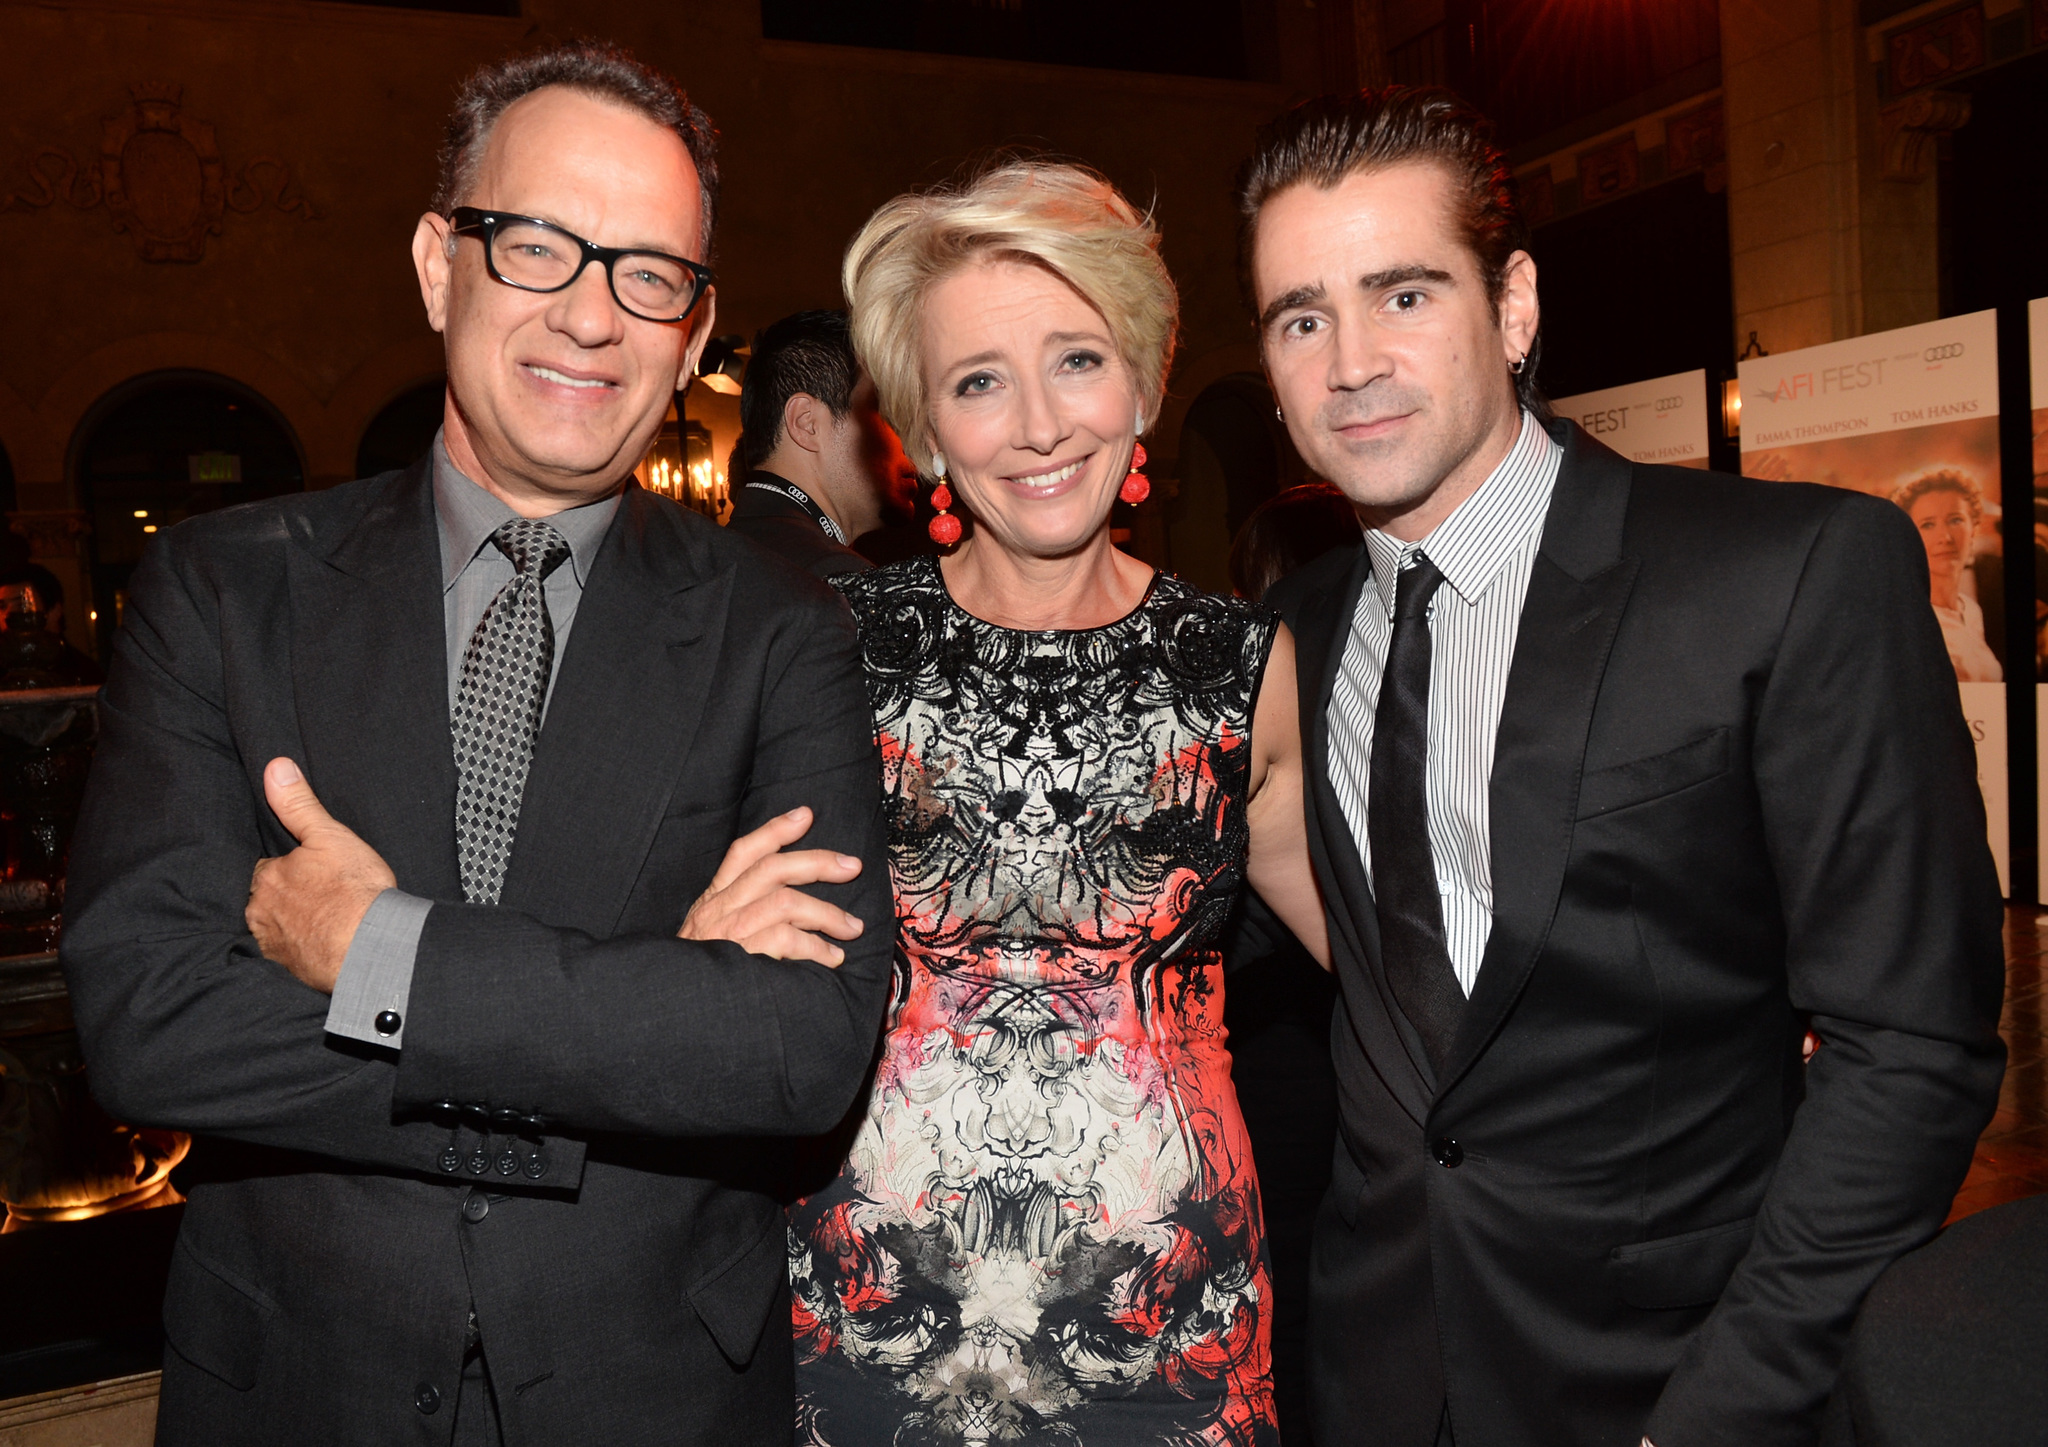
(1065, 218)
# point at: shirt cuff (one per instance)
(375, 984)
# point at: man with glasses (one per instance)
(384, 882)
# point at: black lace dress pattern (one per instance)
(1047, 1230)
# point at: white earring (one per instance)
(939, 464)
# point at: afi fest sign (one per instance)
(1663, 420)
(1912, 416)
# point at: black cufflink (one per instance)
(387, 1022)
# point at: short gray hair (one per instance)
(606, 72)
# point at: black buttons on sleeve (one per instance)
(1449, 1154)
(427, 1398)
(387, 1022)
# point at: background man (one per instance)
(1620, 776)
(822, 467)
(500, 1177)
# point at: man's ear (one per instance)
(432, 245)
(805, 420)
(1520, 312)
(700, 334)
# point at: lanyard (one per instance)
(802, 499)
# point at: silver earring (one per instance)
(1278, 415)
(939, 465)
(1519, 363)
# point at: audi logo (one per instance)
(1668, 404)
(1942, 354)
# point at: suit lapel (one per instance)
(370, 674)
(625, 709)
(1577, 592)
(1325, 633)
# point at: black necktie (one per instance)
(498, 703)
(1411, 914)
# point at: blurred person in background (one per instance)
(1289, 530)
(821, 468)
(32, 604)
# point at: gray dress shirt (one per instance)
(376, 975)
(1486, 550)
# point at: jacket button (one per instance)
(387, 1022)
(474, 1208)
(1448, 1152)
(427, 1397)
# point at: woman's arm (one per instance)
(1279, 867)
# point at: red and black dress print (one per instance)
(1047, 1230)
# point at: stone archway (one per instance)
(163, 447)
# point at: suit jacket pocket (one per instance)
(1621, 786)
(733, 1300)
(1691, 1269)
(216, 1323)
(1348, 1185)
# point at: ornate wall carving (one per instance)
(161, 178)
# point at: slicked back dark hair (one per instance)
(1323, 141)
(810, 352)
(606, 72)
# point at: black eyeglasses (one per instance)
(537, 255)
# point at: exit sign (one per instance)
(215, 467)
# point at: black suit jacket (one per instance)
(1732, 792)
(789, 532)
(630, 1287)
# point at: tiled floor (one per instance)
(2012, 1158)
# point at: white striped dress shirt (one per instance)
(1485, 549)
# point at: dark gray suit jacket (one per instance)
(630, 1285)
(1732, 792)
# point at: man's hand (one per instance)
(304, 907)
(752, 900)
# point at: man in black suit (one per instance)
(1621, 778)
(822, 466)
(507, 1183)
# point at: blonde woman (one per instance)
(1048, 1229)
(1948, 509)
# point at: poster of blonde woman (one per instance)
(1912, 416)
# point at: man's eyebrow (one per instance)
(1402, 275)
(1287, 301)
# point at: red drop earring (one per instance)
(1137, 487)
(945, 528)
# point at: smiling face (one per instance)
(555, 397)
(1031, 405)
(1943, 517)
(1389, 362)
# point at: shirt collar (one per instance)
(467, 516)
(1471, 546)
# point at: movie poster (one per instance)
(2037, 358)
(1911, 416)
(1663, 420)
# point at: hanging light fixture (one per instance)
(723, 365)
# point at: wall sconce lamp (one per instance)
(723, 364)
(1731, 392)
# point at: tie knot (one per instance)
(533, 545)
(1415, 586)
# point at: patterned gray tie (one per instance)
(498, 706)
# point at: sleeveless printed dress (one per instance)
(1047, 1231)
